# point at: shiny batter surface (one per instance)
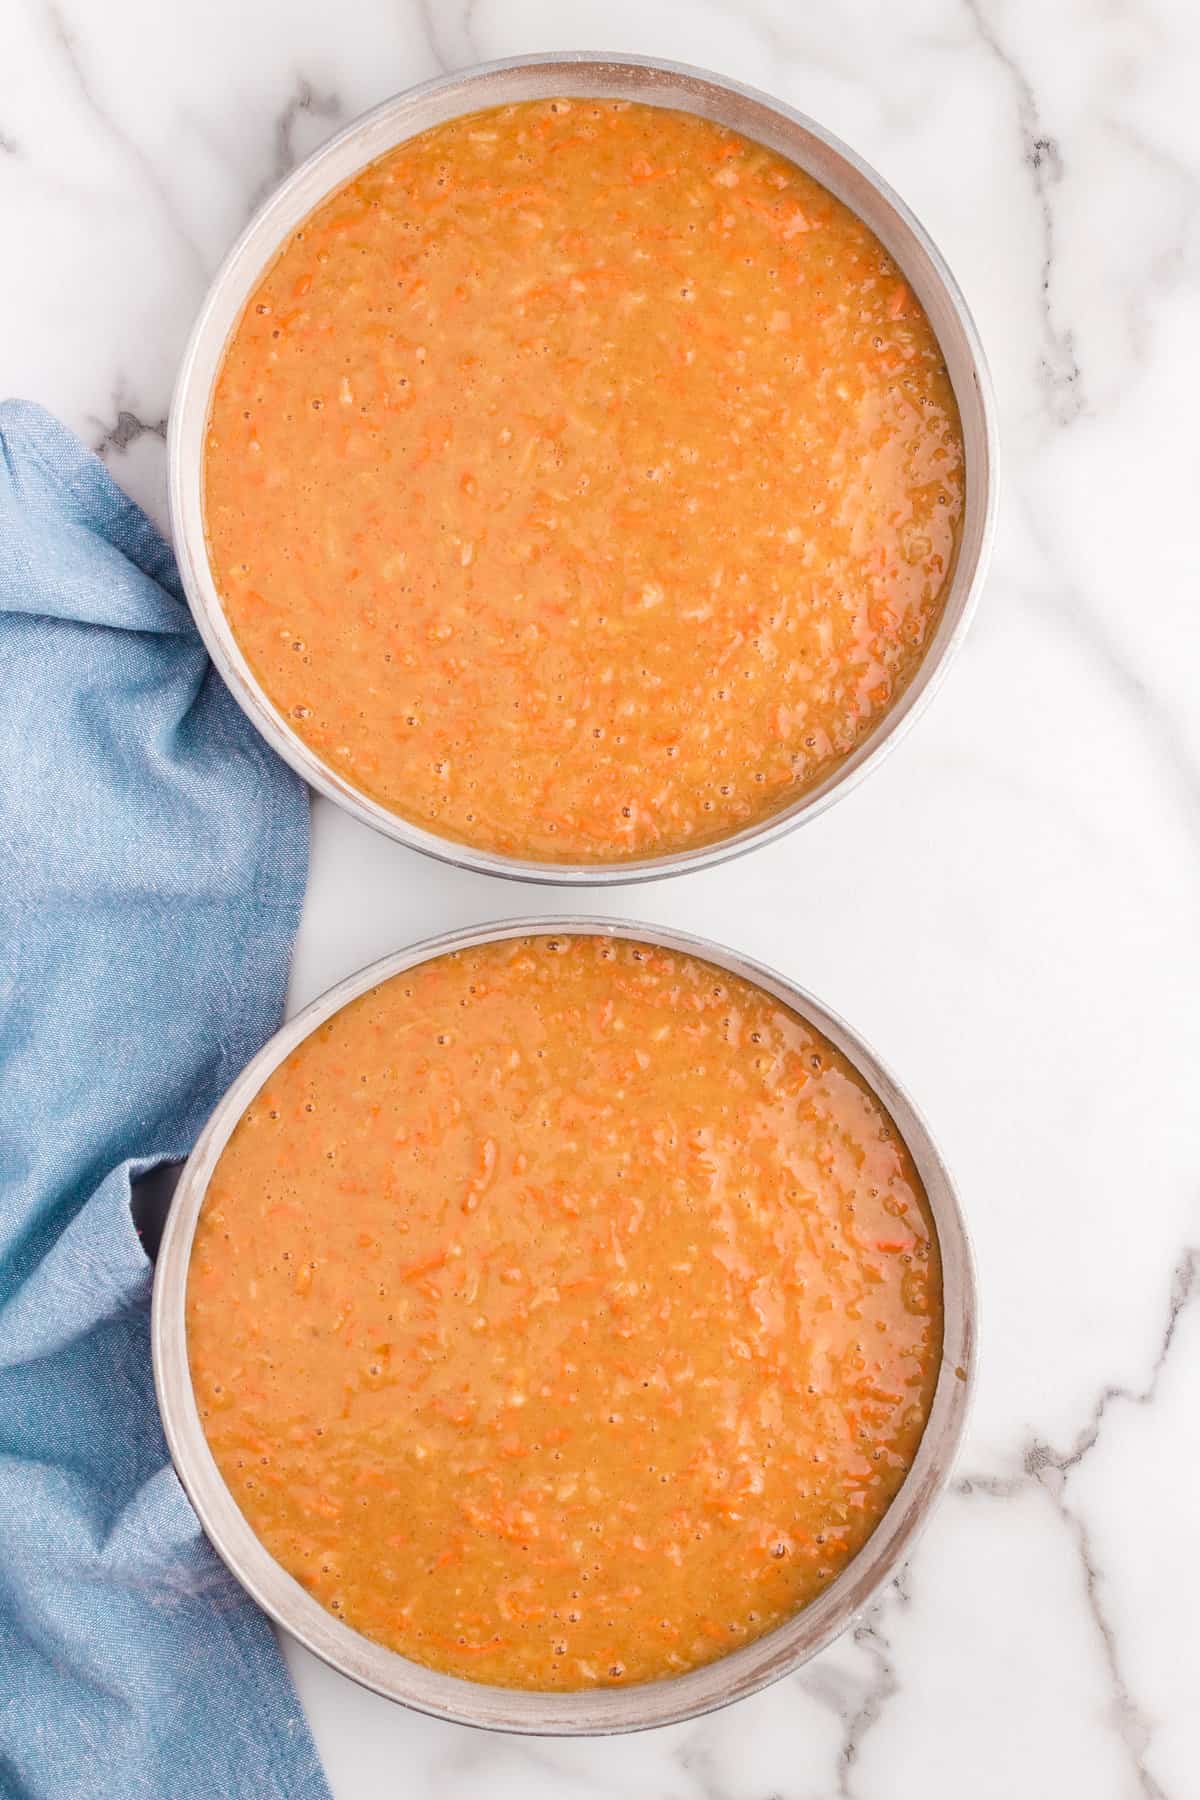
(565, 1312)
(583, 481)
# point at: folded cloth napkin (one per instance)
(152, 862)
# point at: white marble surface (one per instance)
(1008, 909)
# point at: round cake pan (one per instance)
(602, 1711)
(674, 85)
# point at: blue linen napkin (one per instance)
(153, 854)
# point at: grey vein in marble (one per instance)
(305, 100)
(448, 32)
(860, 1713)
(1151, 710)
(1185, 1288)
(126, 430)
(1061, 376)
(700, 1766)
(1181, 257)
(1050, 1470)
(65, 40)
(884, 1684)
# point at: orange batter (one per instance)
(583, 481)
(565, 1312)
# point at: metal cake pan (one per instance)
(599, 1711)
(675, 85)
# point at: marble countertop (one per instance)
(1007, 909)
